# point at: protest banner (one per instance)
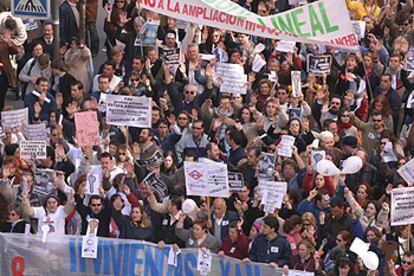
(407, 172)
(232, 76)
(272, 194)
(128, 111)
(34, 132)
(206, 179)
(147, 36)
(402, 206)
(286, 144)
(62, 256)
(322, 22)
(160, 188)
(318, 65)
(33, 149)
(11, 119)
(296, 83)
(266, 166)
(43, 179)
(236, 182)
(87, 129)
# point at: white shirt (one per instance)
(112, 85)
(56, 220)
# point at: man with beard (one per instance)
(146, 141)
(328, 112)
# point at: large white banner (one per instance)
(323, 22)
(206, 179)
(402, 206)
(128, 111)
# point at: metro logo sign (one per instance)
(196, 175)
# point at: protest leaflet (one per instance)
(33, 149)
(318, 65)
(389, 155)
(34, 132)
(160, 188)
(272, 194)
(296, 83)
(43, 179)
(154, 161)
(170, 56)
(204, 261)
(285, 46)
(266, 166)
(316, 156)
(128, 111)
(258, 63)
(232, 76)
(94, 179)
(147, 36)
(236, 182)
(321, 22)
(407, 172)
(359, 28)
(402, 206)
(87, 129)
(286, 144)
(11, 119)
(206, 179)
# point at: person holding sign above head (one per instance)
(269, 247)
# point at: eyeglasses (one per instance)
(378, 121)
(306, 224)
(383, 143)
(182, 118)
(335, 103)
(12, 214)
(339, 240)
(199, 128)
(190, 92)
(401, 163)
(121, 153)
(406, 24)
(135, 80)
(405, 262)
(96, 205)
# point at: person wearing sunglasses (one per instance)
(406, 268)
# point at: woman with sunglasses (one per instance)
(381, 105)
(345, 127)
(123, 157)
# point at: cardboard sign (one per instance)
(232, 76)
(128, 111)
(272, 194)
(87, 129)
(402, 206)
(33, 149)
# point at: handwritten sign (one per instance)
(233, 79)
(87, 129)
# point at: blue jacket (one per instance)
(277, 250)
(307, 206)
(68, 25)
(47, 108)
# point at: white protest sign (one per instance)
(90, 240)
(316, 156)
(206, 179)
(204, 262)
(286, 144)
(33, 149)
(173, 256)
(34, 132)
(409, 66)
(359, 28)
(402, 206)
(128, 111)
(389, 155)
(94, 179)
(10, 119)
(272, 194)
(273, 77)
(148, 34)
(285, 46)
(318, 65)
(236, 182)
(258, 63)
(407, 172)
(233, 79)
(296, 83)
(266, 166)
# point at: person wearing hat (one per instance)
(269, 247)
(52, 215)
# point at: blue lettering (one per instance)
(178, 271)
(225, 270)
(98, 260)
(116, 257)
(150, 263)
(238, 270)
(190, 258)
(82, 261)
(250, 271)
(126, 258)
(72, 253)
(134, 259)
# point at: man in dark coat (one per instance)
(69, 20)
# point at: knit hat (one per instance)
(52, 196)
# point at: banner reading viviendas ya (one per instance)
(322, 22)
(27, 255)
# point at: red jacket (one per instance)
(308, 184)
(238, 249)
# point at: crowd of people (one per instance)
(364, 103)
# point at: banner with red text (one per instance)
(322, 22)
